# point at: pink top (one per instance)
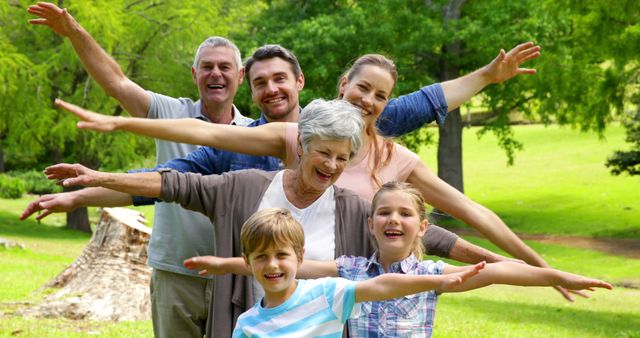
(357, 176)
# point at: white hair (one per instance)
(332, 120)
(218, 41)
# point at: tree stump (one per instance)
(110, 279)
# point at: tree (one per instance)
(154, 43)
(577, 84)
(628, 161)
(427, 40)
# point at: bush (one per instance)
(35, 182)
(11, 187)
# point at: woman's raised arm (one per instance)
(264, 140)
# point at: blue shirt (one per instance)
(317, 308)
(409, 316)
(401, 115)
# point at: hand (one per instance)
(567, 293)
(208, 265)
(62, 202)
(454, 279)
(577, 282)
(507, 64)
(59, 20)
(90, 120)
(73, 174)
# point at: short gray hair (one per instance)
(332, 120)
(218, 41)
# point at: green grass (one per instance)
(558, 185)
(49, 248)
(508, 311)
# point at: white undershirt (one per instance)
(318, 221)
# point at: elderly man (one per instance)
(179, 297)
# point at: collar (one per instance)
(404, 266)
(238, 118)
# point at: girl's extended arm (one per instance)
(264, 140)
(505, 66)
(310, 269)
(393, 285)
(523, 275)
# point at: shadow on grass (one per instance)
(630, 232)
(12, 226)
(590, 322)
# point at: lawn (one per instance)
(558, 184)
(567, 191)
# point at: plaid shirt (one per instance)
(410, 316)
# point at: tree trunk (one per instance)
(450, 151)
(110, 279)
(1, 159)
(78, 219)
(450, 141)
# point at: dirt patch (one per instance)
(621, 247)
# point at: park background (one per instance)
(535, 149)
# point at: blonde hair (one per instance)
(417, 247)
(274, 226)
(380, 159)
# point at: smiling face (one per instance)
(217, 75)
(275, 268)
(275, 89)
(396, 225)
(368, 89)
(322, 163)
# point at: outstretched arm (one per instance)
(100, 65)
(441, 195)
(143, 184)
(411, 111)
(69, 201)
(393, 285)
(212, 265)
(523, 275)
(446, 198)
(264, 140)
(504, 67)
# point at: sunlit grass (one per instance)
(558, 184)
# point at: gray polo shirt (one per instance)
(178, 233)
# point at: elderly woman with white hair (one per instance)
(334, 219)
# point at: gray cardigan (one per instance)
(229, 199)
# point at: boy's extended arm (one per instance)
(264, 140)
(523, 275)
(212, 265)
(393, 285)
(100, 65)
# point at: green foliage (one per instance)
(628, 161)
(11, 187)
(154, 43)
(36, 183)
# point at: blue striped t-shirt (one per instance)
(318, 308)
